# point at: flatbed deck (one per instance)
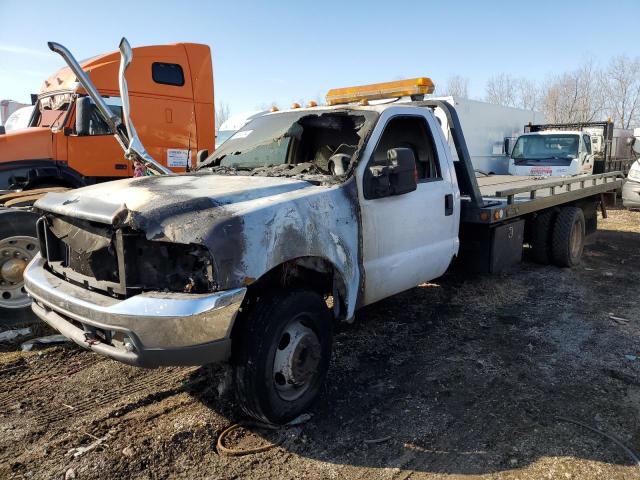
(509, 196)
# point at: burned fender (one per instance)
(249, 224)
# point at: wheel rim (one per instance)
(298, 354)
(15, 254)
(575, 242)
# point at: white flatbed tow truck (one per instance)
(237, 260)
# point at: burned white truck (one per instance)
(298, 220)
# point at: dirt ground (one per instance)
(462, 378)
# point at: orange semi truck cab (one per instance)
(69, 144)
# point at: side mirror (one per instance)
(201, 156)
(398, 176)
(507, 146)
(2, 130)
(84, 111)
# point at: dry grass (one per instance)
(620, 220)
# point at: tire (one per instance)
(18, 245)
(568, 237)
(283, 329)
(541, 233)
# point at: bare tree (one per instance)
(575, 96)
(510, 91)
(222, 114)
(502, 89)
(622, 87)
(528, 94)
(457, 86)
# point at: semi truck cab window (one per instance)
(167, 74)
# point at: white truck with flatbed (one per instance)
(566, 149)
(298, 220)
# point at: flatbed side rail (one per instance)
(585, 181)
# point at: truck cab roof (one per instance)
(144, 75)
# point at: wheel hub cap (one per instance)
(15, 254)
(296, 361)
(12, 270)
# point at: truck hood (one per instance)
(34, 143)
(161, 205)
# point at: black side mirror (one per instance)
(2, 130)
(396, 177)
(507, 144)
(201, 156)
(84, 111)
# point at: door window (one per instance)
(410, 132)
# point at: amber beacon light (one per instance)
(379, 91)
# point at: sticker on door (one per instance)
(177, 157)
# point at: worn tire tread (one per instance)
(251, 337)
(542, 231)
(562, 227)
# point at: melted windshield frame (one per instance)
(293, 142)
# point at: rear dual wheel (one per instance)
(558, 237)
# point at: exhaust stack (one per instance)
(126, 134)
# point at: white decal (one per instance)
(177, 157)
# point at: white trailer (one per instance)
(486, 127)
(7, 107)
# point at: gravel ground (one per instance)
(461, 378)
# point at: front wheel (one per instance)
(281, 354)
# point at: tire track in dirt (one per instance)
(22, 376)
(155, 380)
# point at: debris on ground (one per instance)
(48, 340)
(9, 335)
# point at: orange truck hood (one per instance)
(34, 143)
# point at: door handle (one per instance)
(448, 204)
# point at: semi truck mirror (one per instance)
(84, 110)
(507, 142)
(2, 130)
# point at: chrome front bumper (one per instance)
(148, 330)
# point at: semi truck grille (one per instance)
(121, 263)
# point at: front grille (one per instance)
(121, 262)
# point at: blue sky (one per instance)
(285, 51)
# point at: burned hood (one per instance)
(157, 205)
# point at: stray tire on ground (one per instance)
(541, 233)
(282, 354)
(568, 237)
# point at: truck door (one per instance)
(96, 153)
(409, 238)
